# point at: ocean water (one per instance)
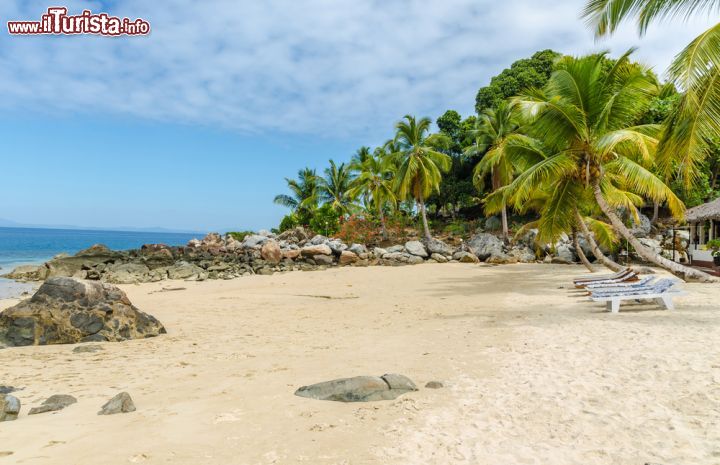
(23, 246)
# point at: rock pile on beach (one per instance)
(264, 253)
(70, 310)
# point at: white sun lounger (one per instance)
(600, 277)
(642, 282)
(627, 276)
(662, 292)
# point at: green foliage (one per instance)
(714, 246)
(325, 220)
(523, 74)
(239, 235)
(288, 222)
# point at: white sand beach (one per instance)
(533, 374)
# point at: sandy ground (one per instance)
(533, 374)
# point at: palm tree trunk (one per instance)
(645, 253)
(601, 257)
(383, 229)
(421, 204)
(656, 212)
(580, 253)
(505, 231)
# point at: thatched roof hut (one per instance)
(701, 213)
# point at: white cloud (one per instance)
(325, 67)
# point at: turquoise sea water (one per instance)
(19, 246)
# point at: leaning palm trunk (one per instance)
(599, 255)
(423, 213)
(505, 231)
(644, 252)
(581, 254)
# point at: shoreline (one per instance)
(532, 374)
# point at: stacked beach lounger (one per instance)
(626, 285)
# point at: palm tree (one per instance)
(357, 160)
(586, 117)
(494, 126)
(420, 164)
(375, 185)
(696, 70)
(334, 188)
(304, 192)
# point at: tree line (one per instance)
(575, 145)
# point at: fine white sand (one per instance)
(533, 374)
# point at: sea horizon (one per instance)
(31, 246)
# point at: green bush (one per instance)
(325, 220)
(288, 222)
(239, 235)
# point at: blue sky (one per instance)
(195, 126)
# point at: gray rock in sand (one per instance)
(53, 404)
(434, 385)
(359, 388)
(87, 348)
(9, 407)
(121, 403)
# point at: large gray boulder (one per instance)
(337, 246)
(68, 311)
(27, 273)
(97, 254)
(465, 257)
(9, 407)
(126, 273)
(312, 250)
(359, 388)
(641, 227)
(436, 246)
(187, 271)
(296, 235)
(253, 240)
(564, 254)
(522, 253)
(318, 240)
(484, 245)
(416, 248)
(358, 249)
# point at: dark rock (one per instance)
(9, 407)
(465, 257)
(359, 388)
(323, 259)
(121, 403)
(7, 389)
(434, 385)
(53, 404)
(68, 310)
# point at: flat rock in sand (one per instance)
(53, 404)
(359, 388)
